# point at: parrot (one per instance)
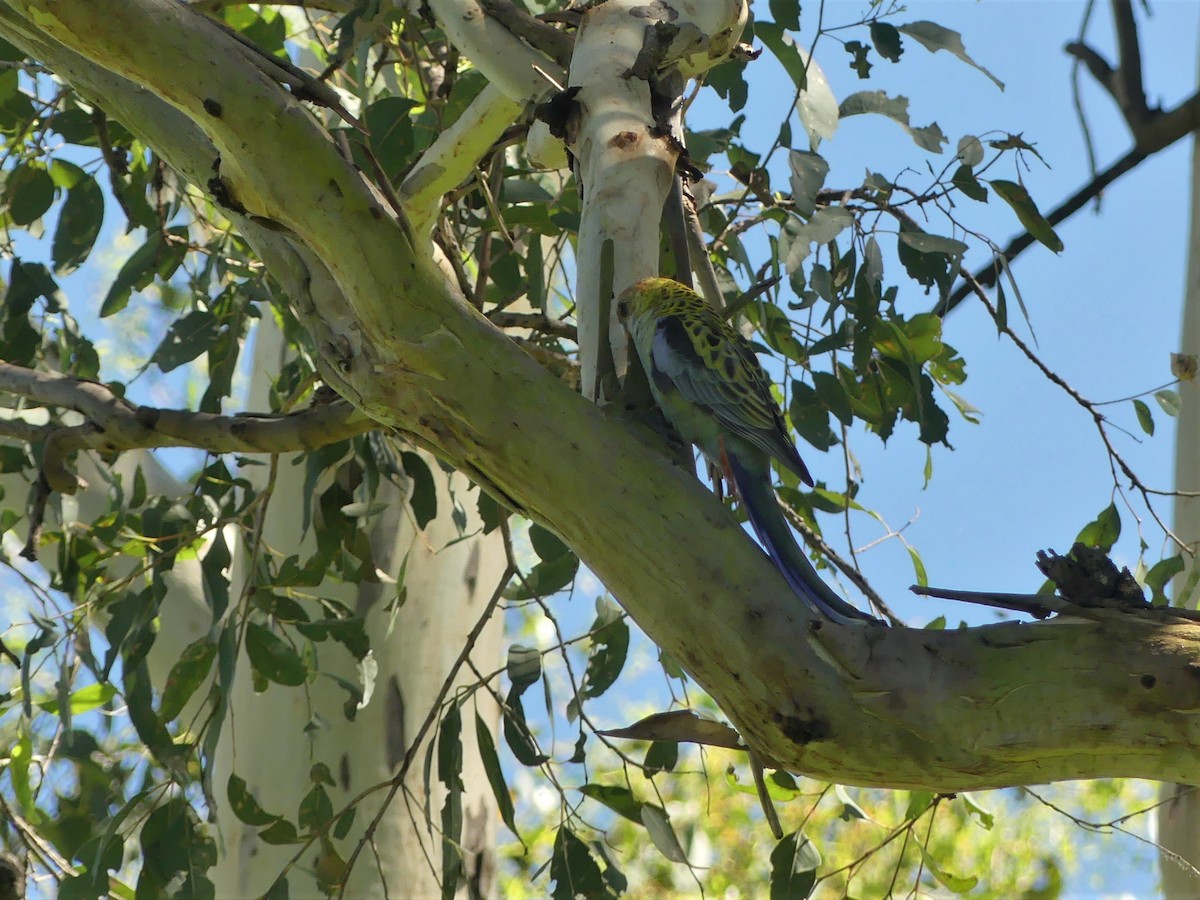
(708, 383)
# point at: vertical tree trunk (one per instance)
(274, 738)
(1179, 816)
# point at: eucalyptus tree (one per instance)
(422, 214)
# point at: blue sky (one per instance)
(1106, 311)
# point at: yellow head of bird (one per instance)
(652, 296)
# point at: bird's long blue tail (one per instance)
(758, 498)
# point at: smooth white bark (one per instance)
(504, 59)
(273, 739)
(1179, 816)
(263, 739)
(946, 710)
(625, 157)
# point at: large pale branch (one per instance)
(500, 55)
(451, 158)
(948, 710)
(534, 32)
(511, 68)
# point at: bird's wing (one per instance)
(716, 370)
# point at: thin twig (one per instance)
(764, 796)
(9, 655)
(535, 322)
(1115, 458)
(114, 424)
(1114, 825)
(1077, 98)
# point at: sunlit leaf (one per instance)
(1022, 204)
(918, 803)
(980, 813)
(1169, 401)
(83, 700)
(955, 883)
(970, 150)
(817, 108)
(1159, 577)
(1103, 531)
(850, 809)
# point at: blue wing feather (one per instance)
(676, 365)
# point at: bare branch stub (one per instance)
(1087, 577)
(1033, 604)
(1124, 82)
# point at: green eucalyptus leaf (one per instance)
(188, 673)
(1103, 531)
(794, 863)
(574, 870)
(272, 657)
(1145, 419)
(929, 137)
(80, 219)
(1022, 204)
(495, 774)
(243, 804)
(934, 37)
(1169, 401)
(28, 193)
(887, 41)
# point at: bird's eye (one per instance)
(623, 309)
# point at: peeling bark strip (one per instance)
(948, 710)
